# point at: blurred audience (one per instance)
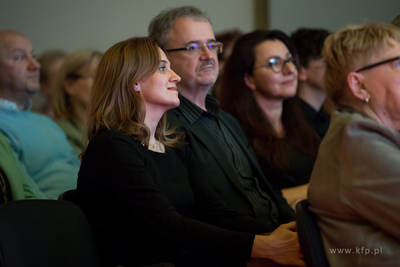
(354, 188)
(141, 188)
(259, 89)
(50, 62)
(71, 94)
(39, 144)
(309, 43)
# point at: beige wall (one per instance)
(288, 15)
(75, 24)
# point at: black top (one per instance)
(297, 172)
(319, 120)
(142, 204)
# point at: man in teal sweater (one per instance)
(37, 142)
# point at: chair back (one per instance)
(45, 233)
(310, 237)
(70, 195)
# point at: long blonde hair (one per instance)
(115, 104)
(69, 70)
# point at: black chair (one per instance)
(45, 233)
(310, 237)
(72, 196)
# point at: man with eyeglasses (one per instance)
(216, 139)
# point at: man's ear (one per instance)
(249, 80)
(302, 74)
(355, 81)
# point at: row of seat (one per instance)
(48, 233)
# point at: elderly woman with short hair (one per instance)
(355, 185)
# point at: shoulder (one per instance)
(112, 142)
(107, 136)
(357, 140)
(356, 126)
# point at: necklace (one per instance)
(157, 147)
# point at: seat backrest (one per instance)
(310, 237)
(70, 195)
(45, 233)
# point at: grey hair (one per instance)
(161, 25)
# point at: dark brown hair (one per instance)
(237, 99)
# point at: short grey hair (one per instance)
(161, 25)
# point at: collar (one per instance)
(8, 105)
(192, 112)
(12, 106)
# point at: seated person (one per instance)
(140, 187)
(259, 90)
(215, 137)
(309, 43)
(354, 188)
(71, 94)
(50, 62)
(39, 144)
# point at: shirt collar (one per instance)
(192, 112)
(12, 106)
(8, 105)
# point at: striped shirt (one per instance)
(264, 208)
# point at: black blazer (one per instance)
(220, 172)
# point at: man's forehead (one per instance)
(186, 30)
(14, 43)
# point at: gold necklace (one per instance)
(157, 146)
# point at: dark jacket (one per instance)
(218, 170)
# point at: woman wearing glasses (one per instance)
(259, 88)
(140, 187)
(71, 94)
(355, 185)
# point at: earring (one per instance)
(367, 99)
(137, 89)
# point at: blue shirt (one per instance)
(42, 149)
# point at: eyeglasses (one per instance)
(215, 47)
(378, 64)
(277, 64)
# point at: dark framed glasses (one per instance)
(378, 64)
(277, 64)
(196, 48)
